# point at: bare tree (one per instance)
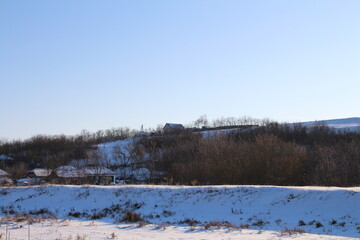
(18, 170)
(201, 121)
(119, 157)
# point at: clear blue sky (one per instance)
(72, 65)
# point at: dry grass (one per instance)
(24, 217)
(142, 223)
(293, 231)
(161, 227)
(190, 222)
(113, 236)
(80, 237)
(244, 226)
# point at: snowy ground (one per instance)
(344, 124)
(86, 230)
(236, 212)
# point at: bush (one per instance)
(41, 211)
(190, 222)
(301, 223)
(131, 217)
(74, 214)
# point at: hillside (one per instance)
(317, 210)
(347, 124)
(125, 146)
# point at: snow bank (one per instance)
(318, 210)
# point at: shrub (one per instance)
(259, 223)
(74, 214)
(213, 224)
(230, 225)
(131, 217)
(244, 225)
(318, 225)
(167, 213)
(97, 215)
(41, 211)
(301, 223)
(190, 222)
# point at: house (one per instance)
(99, 175)
(67, 175)
(173, 128)
(89, 175)
(39, 175)
(4, 174)
(5, 178)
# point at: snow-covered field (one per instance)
(86, 230)
(178, 212)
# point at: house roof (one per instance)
(3, 173)
(69, 172)
(174, 125)
(93, 171)
(73, 172)
(6, 158)
(41, 172)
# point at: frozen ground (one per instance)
(261, 212)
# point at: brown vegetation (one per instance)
(272, 154)
(277, 154)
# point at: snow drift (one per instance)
(318, 210)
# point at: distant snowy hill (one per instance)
(343, 124)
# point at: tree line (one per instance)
(53, 151)
(271, 153)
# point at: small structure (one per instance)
(67, 175)
(99, 175)
(40, 175)
(4, 174)
(5, 178)
(90, 175)
(173, 128)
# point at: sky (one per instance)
(72, 65)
